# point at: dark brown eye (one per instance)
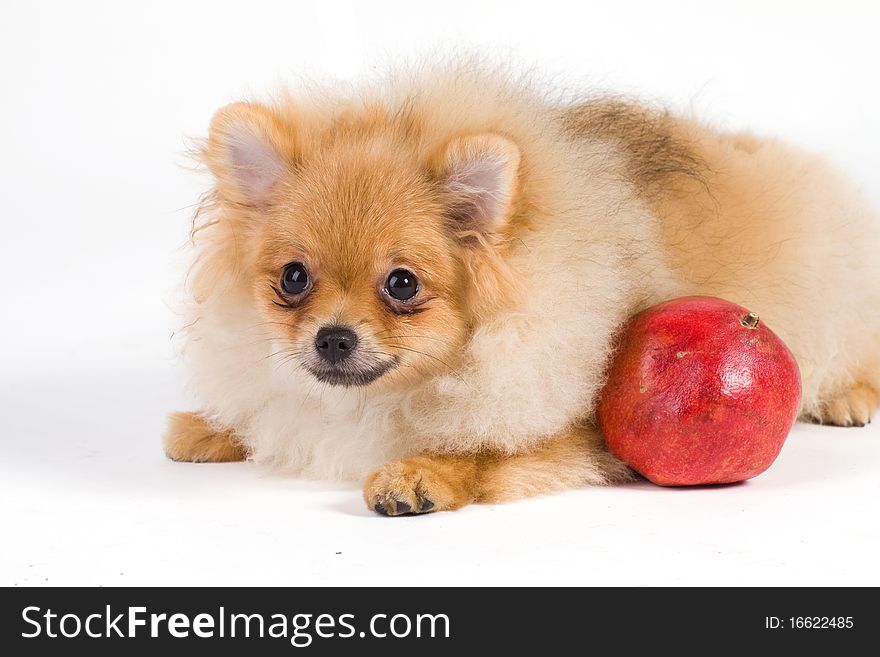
(294, 278)
(402, 285)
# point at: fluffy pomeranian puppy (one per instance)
(418, 283)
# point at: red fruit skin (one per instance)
(694, 396)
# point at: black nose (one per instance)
(335, 343)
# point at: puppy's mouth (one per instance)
(349, 375)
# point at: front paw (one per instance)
(191, 438)
(422, 484)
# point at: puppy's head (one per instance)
(370, 250)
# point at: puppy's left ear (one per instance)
(250, 150)
(479, 179)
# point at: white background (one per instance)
(97, 99)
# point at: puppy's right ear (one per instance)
(479, 176)
(250, 150)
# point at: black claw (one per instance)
(426, 505)
(403, 507)
(380, 509)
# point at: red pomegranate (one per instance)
(700, 391)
